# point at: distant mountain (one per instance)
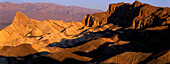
(42, 11)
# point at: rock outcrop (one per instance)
(135, 33)
(137, 15)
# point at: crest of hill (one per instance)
(136, 15)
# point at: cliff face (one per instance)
(135, 33)
(136, 15)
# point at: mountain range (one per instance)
(42, 11)
(126, 33)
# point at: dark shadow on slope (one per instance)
(39, 59)
(96, 52)
(48, 60)
(157, 21)
(63, 30)
(154, 56)
(86, 20)
(88, 37)
(81, 33)
(81, 28)
(56, 44)
(85, 31)
(41, 38)
(66, 28)
(81, 43)
(124, 15)
(155, 42)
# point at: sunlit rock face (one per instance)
(135, 33)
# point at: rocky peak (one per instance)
(20, 14)
(113, 6)
(137, 4)
(20, 18)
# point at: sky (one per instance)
(92, 4)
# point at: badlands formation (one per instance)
(126, 33)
